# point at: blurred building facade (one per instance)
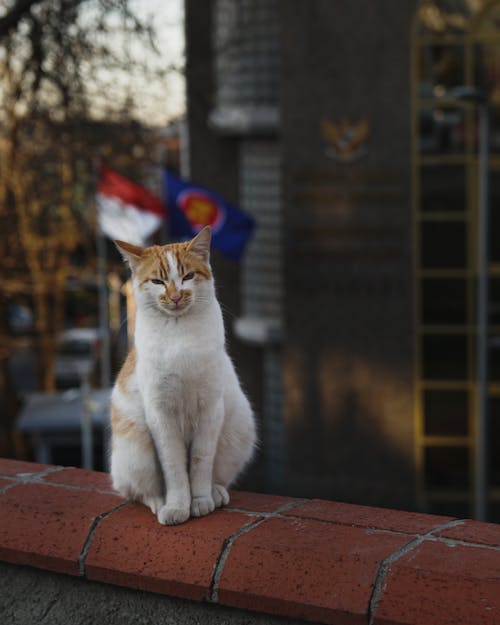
(355, 324)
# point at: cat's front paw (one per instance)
(200, 506)
(169, 515)
(220, 495)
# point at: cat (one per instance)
(182, 428)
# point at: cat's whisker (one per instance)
(228, 312)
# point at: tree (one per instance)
(61, 68)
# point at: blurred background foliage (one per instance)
(64, 104)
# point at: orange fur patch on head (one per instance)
(154, 262)
(187, 261)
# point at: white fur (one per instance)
(185, 394)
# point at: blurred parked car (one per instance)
(20, 318)
(77, 356)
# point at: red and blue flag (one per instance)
(191, 207)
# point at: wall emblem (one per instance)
(345, 140)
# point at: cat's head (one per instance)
(172, 278)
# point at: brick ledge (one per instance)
(315, 560)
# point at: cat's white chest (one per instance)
(180, 369)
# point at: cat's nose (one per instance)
(175, 297)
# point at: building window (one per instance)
(247, 65)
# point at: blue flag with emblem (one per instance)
(191, 207)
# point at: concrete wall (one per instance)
(101, 559)
(348, 397)
(36, 597)
(348, 354)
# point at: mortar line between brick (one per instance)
(48, 471)
(213, 594)
(37, 478)
(454, 542)
(26, 478)
(8, 487)
(289, 506)
(384, 566)
(245, 511)
(88, 541)
(272, 513)
(88, 489)
(368, 528)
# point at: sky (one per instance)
(164, 100)
(159, 99)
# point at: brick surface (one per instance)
(130, 548)
(305, 569)
(46, 526)
(82, 478)
(18, 467)
(439, 584)
(317, 560)
(365, 516)
(474, 532)
(258, 502)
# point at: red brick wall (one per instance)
(317, 560)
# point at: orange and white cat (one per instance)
(182, 428)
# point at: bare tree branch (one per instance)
(12, 18)
(63, 65)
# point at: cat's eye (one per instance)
(157, 281)
(188, 276)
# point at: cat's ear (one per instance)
(200, 245)
(131, 253)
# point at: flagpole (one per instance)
(102, 293)
(102, 287)
(103, 310)
(481, 459)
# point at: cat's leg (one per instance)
(202, 455)
(173, 459)
(172, 454)
(135, 471)
(236, 444)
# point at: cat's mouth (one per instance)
(175, 308)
